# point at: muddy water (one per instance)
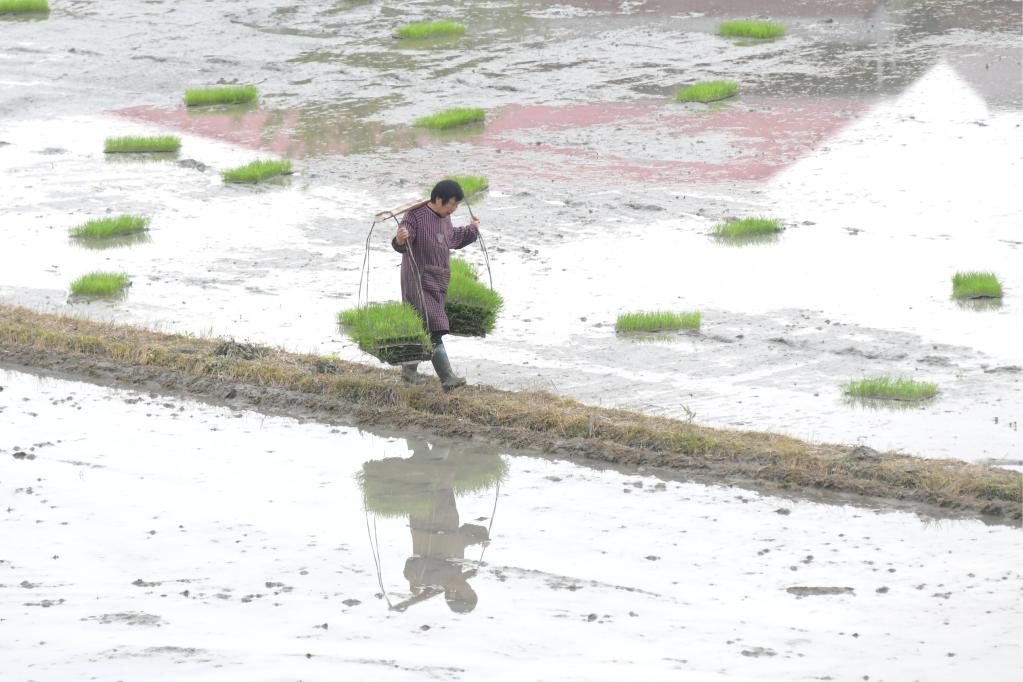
(884, 135)
(218, 544)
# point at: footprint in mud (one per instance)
(804, 591)
(128, 618)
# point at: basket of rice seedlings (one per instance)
(407, 486)
(392, 332)
(471, 306)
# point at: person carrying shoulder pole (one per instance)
(428, 233)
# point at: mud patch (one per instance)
(128, 618)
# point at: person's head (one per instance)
(460, 596)
(445, 197)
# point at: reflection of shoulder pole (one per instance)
(426, 594)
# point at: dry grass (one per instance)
(532, 419)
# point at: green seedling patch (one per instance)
(451, 118)
(708, 91)
(257, 171)
(888, 388)
(657, 321)
(760, 30)
(976, 285)
(230, 94)
(133, 145)
(100, 284)
(430, 29)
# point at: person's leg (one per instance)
(409, 373)
(442, 365)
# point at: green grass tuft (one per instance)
(431, 29)
(24, 6)
(976, 285)
(117, 226)
(257, 171)
(708, 91)
(751, 29)
(381, 324)
(886, 388)
(162, 143)
(471, 306)
(100, 284)
(470, 184)
(657, 321)
(231, 94)
(747, 227)
(451, 118)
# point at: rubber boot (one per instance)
(410, 375)
(443, 366)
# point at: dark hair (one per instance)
(447, 190)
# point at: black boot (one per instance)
(443, 366)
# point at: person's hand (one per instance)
(475, 222)
(402, 236)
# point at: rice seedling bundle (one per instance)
(451, 118)
(257, 171)
(229, 94)
(392, 332)
(117, 226)
(747, 227)
(976, 285)
(100, 284)
(657, 321)
(127, 145)
(708, 91)
(24, 6)
(761, 30)
(431, 29)
(887, 388)
(471, 306)
(399, 486)
(470, 184)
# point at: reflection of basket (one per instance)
(401, 486)
(397, 351)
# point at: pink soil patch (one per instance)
(742, 144)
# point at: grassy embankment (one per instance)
(331, 389)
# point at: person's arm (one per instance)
(463, 236)
(406, 234)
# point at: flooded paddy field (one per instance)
(885, 136)
(210, 543)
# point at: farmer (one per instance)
(426, 234)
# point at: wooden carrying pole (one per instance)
(394, 213)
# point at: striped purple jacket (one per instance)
(430, 239)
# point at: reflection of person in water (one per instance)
(423, 488)
(438, 542)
